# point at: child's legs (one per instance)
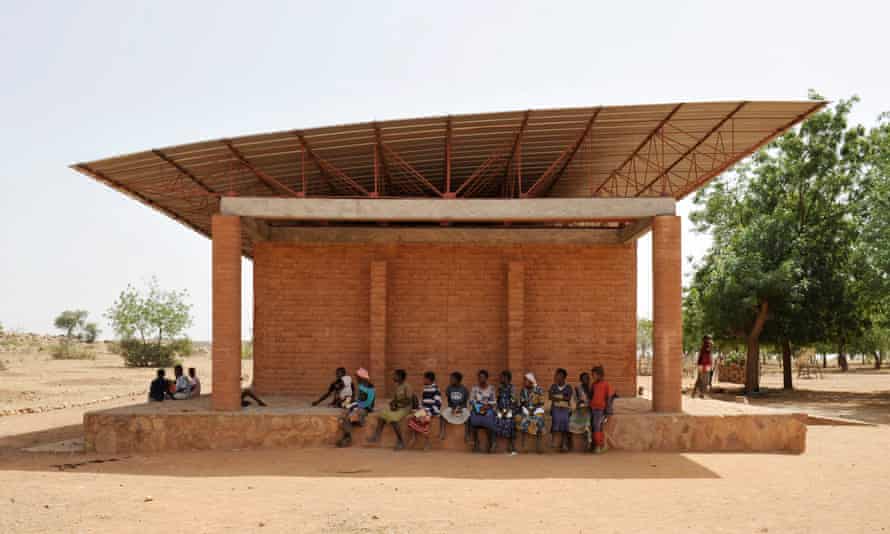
(597, 418)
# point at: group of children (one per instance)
(180, 388)
(500, 411)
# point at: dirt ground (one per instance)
(841, 484)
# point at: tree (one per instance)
(148, 322)
(70, 320)
(91, 332)
(644, 337)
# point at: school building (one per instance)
(492, 240)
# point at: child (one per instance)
(482, 404)
(195, 382)
(531, 417)
(359, 409)
(560, 408)
(601, 397)
(183, 388)
(506, 402)
(399, 408)
(340, 388)
(456, 413)
(430, 406)
(157, 391)
(580, 420)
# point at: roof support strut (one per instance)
(265, 178)
(542, 186)
(328, 170)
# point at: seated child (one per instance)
(560, 409)
(504, 407)
(399, 408)
(340, 388)
(359, 409)
(483, 400)
(580, 420)
(195, 382)
(157, 390)
(430, 406)
(183, 388)
(456, 412)
(531, 415)
(601, 398)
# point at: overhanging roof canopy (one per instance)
(663, 150)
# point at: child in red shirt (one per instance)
(601, 396)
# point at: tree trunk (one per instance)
(842, 357)
(786, 365)
(878, 356)
(752, 362)
(825, 360)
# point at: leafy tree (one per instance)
(70, 320)
(91, 331)
(644, 337)
(149, 323)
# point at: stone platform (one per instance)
(191, 425)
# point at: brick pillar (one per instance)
(516, 318)
(667, 335)
(377, 352)
(226, 351)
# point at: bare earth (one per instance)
(841, 484)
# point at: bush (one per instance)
(182, 347)
(71, 351)
(139, 354)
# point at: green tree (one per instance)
(70, 320)
(644, 337)
(91, 331)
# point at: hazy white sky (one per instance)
(86, 80)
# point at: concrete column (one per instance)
(667, 335)
(377, 337)
(516, 318)
(226, 350)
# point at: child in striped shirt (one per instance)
(430, 406)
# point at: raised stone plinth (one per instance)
(179, 426)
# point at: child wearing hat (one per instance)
(531, 408)
(359, 409)
(601, 397)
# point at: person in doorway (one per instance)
(340, 388)
(399, 408)
(456, 412)
(560, 395)
(183, 388)
(703, 380)
(483, 400)
(359, 409)
(421, 420)
(194, 382)
(531, 416)
(579, 423)
(601, 398)
(157, 390)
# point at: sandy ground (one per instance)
(841, 484)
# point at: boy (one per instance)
(157, 391)
(457, 396)
(340, 388)
(195, 382)
(601, 397)
(183, 386)
(358, 410)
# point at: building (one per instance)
(495, 240)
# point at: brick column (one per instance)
(226, 351)
(667, 335)
(516, 318)
(377, 352)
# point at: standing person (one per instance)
(579, 423)
(157, 390)
(531, 416)
(399, 408)
(340, 388)
(195, 382)
(560, 395)
(457, 412)
(430, 406)
(482, 406)
(704, 362)
(359, 409)
(183, 388)
(505, 426)
(601, 397)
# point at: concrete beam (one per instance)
(635, 230)
(452, 210)
(482, 236)
(257, 230)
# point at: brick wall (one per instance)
(446, 308)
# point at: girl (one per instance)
(456, 413)
(399, 407)
(560, 408)
(359, 409)
(482, 405)
(580, 420)
(506, 403)
(430, 406)
(531, 416)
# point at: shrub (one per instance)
(138, 354)
(182, 347)
(72, 351)
(90, 332)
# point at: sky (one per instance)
(87, 80)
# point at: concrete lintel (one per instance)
(456, 210)
(490, 236)
(635, 230)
